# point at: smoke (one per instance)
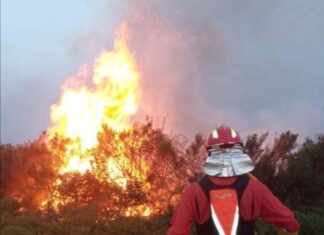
(175, 60)
(253, 65)
(206, 63)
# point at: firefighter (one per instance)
(227, 200)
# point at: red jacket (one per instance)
(257, 201)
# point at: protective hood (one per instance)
(227, 163)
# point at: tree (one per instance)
(304, 177)
(271, 162)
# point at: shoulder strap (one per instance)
(239, 185)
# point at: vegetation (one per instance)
(90, 204)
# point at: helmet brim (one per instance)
(227, 164)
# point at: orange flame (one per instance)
(82, 110)
(111, 99)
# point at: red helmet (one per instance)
(222, 137)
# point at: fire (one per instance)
(77, 164)
(92, 158)
(116, 174)
(111, 99)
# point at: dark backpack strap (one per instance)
(207, 228)
(206, 185)
(239, 185)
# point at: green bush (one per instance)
(312, 222)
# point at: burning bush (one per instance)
(27, 172)
(134, 172)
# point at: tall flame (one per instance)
(111, 99)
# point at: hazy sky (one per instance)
(254, 65)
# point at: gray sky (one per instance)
(255, 65)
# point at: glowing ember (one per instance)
(142, 209)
